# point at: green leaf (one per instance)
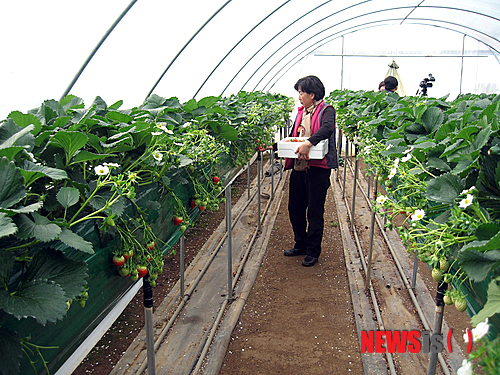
(437, 163)
(68, 196)
(7, 226)
(432, 119)
(11, 184)
(208, 101)
(69, 141)
(75, 241)
(228, 132)
(13, 135)
(23, 120)
(40, 299)
(11, 351)
(6, 264)
(32, 172)
(11, 152)
(41, 229)
(486, 231)
(445, 188)
(190, 106)
(492, 243)
(482, 138)
(23, 210)
(118, 117)
(492, 305)
(477, 264)
(53, 265)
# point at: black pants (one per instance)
(306, 205)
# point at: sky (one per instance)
(49, 41)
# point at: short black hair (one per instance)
(311, 85)
(390, 83)
(381, 84)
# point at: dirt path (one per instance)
(298, 320)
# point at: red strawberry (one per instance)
(178, 220)
(215, 179)
(118, 260)
(142, 270)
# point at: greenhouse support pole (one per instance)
(438, 324)
(259, 161)
(272, 174)
(248, 179)
(345, 165)
(356, 166)
(229, 244)
(415, 269)
(182, 248)
(462, 65)
(370, 248)
(369, 183)
(148, 314)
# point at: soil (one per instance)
(297, 320)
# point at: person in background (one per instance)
(390, 84)
(310, 179)
(381, 86)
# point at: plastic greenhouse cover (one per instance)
(197, 48)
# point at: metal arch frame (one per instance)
(362, 15)
(236, 45)
(363, 28)
(184, 47)
(96, 48)
(282, 30)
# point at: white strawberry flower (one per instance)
(408, 150)
(396, 163)
(157, 155)
(466, 368)
(381, 199)
(479, 332)
(392, 173)
(406, 158)
(389, 147)
(115, 165)
(467, 201)
(101, 170)
(156, 133)
(418, 215)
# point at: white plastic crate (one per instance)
(288, 146)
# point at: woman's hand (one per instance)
(303, 150)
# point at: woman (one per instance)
(310, 179)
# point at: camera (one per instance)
(425, 84)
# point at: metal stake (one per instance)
(248, 178)
(369, 183)
(259, 161)
(415, 269)
(182, 265)
(438, 324)
(148, 314)
(272, 174)
(229, 244)
(354, 185)
(345, 167)
(370, 249)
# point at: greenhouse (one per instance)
(222, 187)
